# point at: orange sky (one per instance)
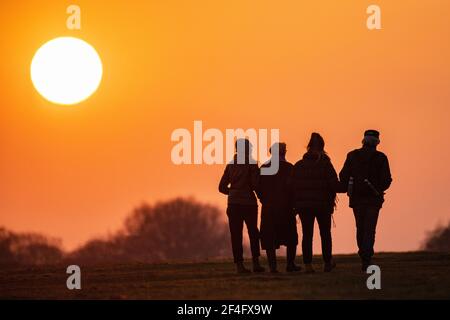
(75, 172)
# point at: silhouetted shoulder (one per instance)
(266, 164)
(381, 155)
(298, 163)
(297, 167)
(287, 164)
(282, 164)
(288, 167)
(352, 153)
(326, 160)
(232, 162)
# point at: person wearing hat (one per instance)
(278, 223)
(366, 176)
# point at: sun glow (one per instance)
(66, 70)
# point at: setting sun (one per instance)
(66, 70)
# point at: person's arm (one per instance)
(386, 178)
(333, 180)
(290, 179)
(254, 177)
(259, 188)
(225, 181)
(344, 175)
(302, 181)
(291, 188)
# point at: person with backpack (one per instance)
(367, 176)
(278, 224)
(238, 182)
(315, 185)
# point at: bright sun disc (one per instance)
(66, 70)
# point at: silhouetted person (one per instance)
(239, 181)
(278, 224)
(366, 173)
(315, 185)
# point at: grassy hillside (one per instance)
(403, 276)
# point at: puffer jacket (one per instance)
(315, 182)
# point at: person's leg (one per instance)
(290, 239)
(359, 214)
(291, 253)
(368, 240)
(236, 223)
(267, 234)
(307, 220)
(251, 221)
(272, 259)
(324, 221)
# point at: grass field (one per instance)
(414, 275)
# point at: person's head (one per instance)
(243, 148)
(371, 138)
(281, 147)
(316, 143)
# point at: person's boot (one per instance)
(274, 271)
(364, 265)
(291, 252)
(240, 268)
(256, 266)
(272, 260)
(329, 266)
(309, 268)
(292, 267)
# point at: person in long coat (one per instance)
(278, 222)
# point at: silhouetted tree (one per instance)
(173, 230)
(28, 249)
(99, 251)
(438, 239)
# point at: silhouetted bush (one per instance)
(28, 249)
(438, 239)
(99, 251)
(173, 230)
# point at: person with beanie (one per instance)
(366, 176)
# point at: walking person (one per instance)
(278, 223)
(366, 173)
(239, 181)
(315, 186)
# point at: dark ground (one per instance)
(415, 275)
